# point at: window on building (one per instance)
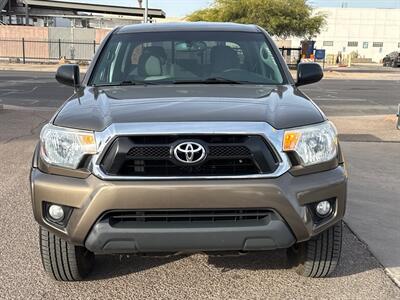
(329, 43)
(377, 44)
(365, 45)
(352, 44)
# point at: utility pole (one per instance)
(26, 14)
(146, 11)
(9, 13)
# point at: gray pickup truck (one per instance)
(184, 138)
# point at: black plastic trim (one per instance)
(146, 237)
(261, 154)
(60, 224)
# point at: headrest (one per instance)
(151, 61)
(153, 66)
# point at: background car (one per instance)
(392, 60)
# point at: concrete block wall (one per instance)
(101, 34)
(11, 41)
(43, 42)
(27, 32)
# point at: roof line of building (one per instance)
(96, 8)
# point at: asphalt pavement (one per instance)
(373, 209)
(335, 97)
(29, 100)
(355, 97)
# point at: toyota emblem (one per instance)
(189, 152)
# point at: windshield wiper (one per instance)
(211, 80)
(125, 83)
(136, 82)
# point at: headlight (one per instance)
(65, 147)
(313, 144)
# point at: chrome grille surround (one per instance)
(273, 136)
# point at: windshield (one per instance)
(187, 57)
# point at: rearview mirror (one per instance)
(69, 75)
(191, 46)
(308, 73)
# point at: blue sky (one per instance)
(184, 7)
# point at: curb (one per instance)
(33, 68)
(392, 276)
(27, 108)
(27, 69)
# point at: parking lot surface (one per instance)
(373, 208)
(360, 274)
(335, 97)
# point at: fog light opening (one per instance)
(323, 209)
(56, 212)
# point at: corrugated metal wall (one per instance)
(74, 42)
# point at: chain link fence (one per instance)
(26, 50)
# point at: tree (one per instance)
(282, 18)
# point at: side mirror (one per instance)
(69, 75)
(308, 73)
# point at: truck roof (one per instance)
(187, 26)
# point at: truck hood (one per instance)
(95, 108)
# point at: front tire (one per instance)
(319, 256)
(62, 260)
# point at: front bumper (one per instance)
(268, 233)
(288, 196)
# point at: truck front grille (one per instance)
(152, 156)
(168, 216)
(154, 152)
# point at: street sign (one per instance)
(320, 54)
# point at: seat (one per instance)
(152, 63)
(223, 58)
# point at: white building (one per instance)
(371, 32)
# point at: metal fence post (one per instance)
(59, 48)
(94, 46)
(23, 50)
